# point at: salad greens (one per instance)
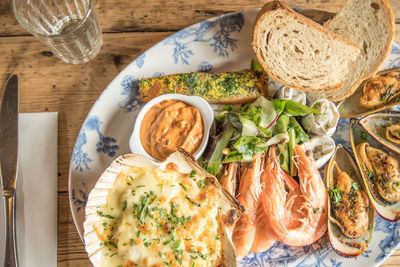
(251, 128)
(216, 157)
(293, 108)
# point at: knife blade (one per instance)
(8, 164)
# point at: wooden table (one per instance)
(129, 28)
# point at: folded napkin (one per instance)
(36, 204)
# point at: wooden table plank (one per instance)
(47, 84)
(156, 15)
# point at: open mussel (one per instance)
(380, 170)
(379, 92)
(385, 128)
(351, 214)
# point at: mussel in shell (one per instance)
(380, 92)
(384, 127)
(351, 214)
(380, 89)
(382, 169)
(392, 133)
(349, 205)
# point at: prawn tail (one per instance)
(265, 236)
(243, 235)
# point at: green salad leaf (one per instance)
(292, 107)
(247, 145)
(216, 157)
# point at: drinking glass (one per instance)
(68, 27)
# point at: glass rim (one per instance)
(76, 27)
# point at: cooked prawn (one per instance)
(297, 212)
(265, 236)
(229, 178)
(249, 195)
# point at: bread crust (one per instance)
(385, 54)
(276, 5)
(342, 92)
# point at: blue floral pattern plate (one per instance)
(219, 44)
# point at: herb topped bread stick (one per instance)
(227, 88)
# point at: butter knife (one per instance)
(8, 165)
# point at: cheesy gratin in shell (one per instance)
(130, 220)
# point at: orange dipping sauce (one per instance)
(171, 124)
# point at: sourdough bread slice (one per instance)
(370, 24)
(300, 53)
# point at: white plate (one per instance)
(219, 44)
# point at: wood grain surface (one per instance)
(130, 27)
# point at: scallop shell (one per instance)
(341, 244)
(322, 147)
(292, 94)
(351, 108)
(230, 209)
(329, 118)
(388, 211)
(375, 125)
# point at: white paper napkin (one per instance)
(36, 215)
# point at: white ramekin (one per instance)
(202, 105)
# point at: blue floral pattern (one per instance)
(80, 200)
(79, 157)
(106, 144)
(201, 47)
(221, 40)
(392, 239)
(130, 89)
(140, 60)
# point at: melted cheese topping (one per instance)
(154, 217)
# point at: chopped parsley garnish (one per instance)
(204, 256)
(147, 244)
(139, 186)
(385, 97)
(315, 210)
(192, 174)
(202, 184)
(183, 187)
(132, 242)
(364, 135)
(112, 244)
(124, 204)
(174, 208)
(191, 201)
(176, 244)
(167, 242)
(101, 214)
(217, 237)
(369, 173)
(354, 185)
(138, 234)
(335, 195)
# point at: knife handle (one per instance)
(11, 257)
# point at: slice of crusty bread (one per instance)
(370, 24)
(298, 52)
